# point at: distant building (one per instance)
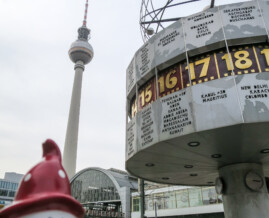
(104, 192)
(178, 201)
(13, 177)
(8, 187)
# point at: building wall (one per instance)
(8, 188)
(125, 195)
(213, 215)
(179, 201)
(209, 211)
(13, 177)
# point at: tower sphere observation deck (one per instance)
(81, 50)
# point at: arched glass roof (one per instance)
(123, 178)
(99, 185)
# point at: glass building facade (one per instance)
(103, 192)
(93, 186)
(8, 189)
(176, 198)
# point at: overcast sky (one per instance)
(36, 78)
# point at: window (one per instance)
(11, 194)
(169, 200)
(182, 198)
(3, 192)
(14, 186)
(159, 199)
(195, 197)
(136, 205)
(209, 196)
(7, 185)
(149, 203)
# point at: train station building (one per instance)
(103, 192)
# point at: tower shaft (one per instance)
(71, 140)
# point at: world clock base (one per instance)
(244, 191)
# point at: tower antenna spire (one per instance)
(85, 14)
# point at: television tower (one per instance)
(81, 53)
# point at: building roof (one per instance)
(119, 178)
(123, 178)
